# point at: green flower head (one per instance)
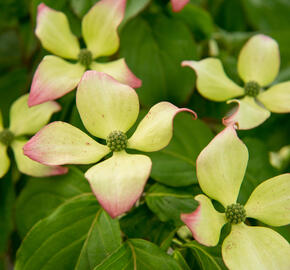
(108, 110)
(258, 66)
(220, 171)
(55, 76)
(25, 121)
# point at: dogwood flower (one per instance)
(56, 77)
(108, 109)
(258, 66)
(178, 5)
(25, 121)
(220, 170)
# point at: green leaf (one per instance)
(175, 164)
(80, 8)
(11, 87)
(283, 39)
(6, 210)
(283, 230)
(103, 238)
(268, 15)
(42, 195)
(10, 53)
(154, 49)
(231, 16)
(132, 9)
(270, 132)
(168, 203)
(29, 41)
(208, 258)
(141, 223)
(178, 257)
(139, 254)
(198, 20)
(11, 11)
(259, 168)
(77, 235)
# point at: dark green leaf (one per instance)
(42, 195)
(154, 50)
(141, 223)
(133, 7)
(80, 8)
(168, 203)
(6, 208)
(283, 39)
(12, 85)
(270, 132)
(208, 258)
(268, 15)
(231, 16)
(103, 238)
(283, 230)
(259, 168)
(28, 41)
(178, 257)
(77, 235)
(139, 254)
(175, 164)
(12, 11)
(9, 49)
(198, 20)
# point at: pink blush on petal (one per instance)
(178, 5)
(191, 221)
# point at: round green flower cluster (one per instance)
(6, 137)
(117, 141)
(252, 88)
(235, 213)
(85, 57)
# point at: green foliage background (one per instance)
(73, 232)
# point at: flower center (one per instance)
(117, 141)
(235, 213)
(6, 137)
(85, 57)
(252, 88)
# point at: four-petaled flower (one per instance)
(258, 66)
(54, 76)
(220, 170)
(178, 5)
(25, 121)
(108, 109)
